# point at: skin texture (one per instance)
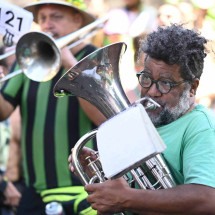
(173, 104)
(12, 195)
(115, 195)
(13, 170)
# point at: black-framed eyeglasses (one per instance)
(163, 85)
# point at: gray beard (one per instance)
(168, 115)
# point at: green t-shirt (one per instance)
(190, 152)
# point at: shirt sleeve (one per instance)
(199, 158)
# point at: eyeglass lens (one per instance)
(164, 86)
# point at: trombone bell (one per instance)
(36, 51)
(38, 55)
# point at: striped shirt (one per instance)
(50, 128)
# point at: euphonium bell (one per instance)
(96, 79)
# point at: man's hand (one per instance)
(12, 195)
(67, 58)
(85, 152)
(108, 197)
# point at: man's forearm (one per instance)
(5, 109)
(184, 199)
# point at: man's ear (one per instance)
(194, 86)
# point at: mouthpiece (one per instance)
(148, 103)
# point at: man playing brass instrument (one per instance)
(173, 65)
(51, 127)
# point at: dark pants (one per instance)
(4, 210)
(8, 210)
(31, 203)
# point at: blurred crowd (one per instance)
(130, 21)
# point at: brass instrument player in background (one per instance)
(173, 65)
(51, 126)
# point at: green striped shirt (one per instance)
(50, 128)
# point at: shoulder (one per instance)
(200, 120)
(201, 116)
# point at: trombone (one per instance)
(37, 51)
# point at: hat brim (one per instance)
(33, 8)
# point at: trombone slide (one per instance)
(11, 75)
(37, 51)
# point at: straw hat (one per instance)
(74, 5)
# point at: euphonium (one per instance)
(96, 79)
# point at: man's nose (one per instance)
(153, 91)
(46, 25)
